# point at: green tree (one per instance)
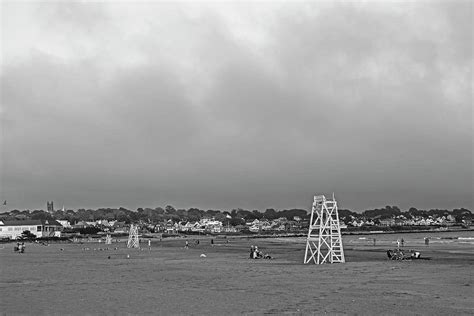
(170, 210)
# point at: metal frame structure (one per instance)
(133, 241)
(324, 242)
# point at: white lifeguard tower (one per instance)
(108, 240)
(133, 241)
(324, 242)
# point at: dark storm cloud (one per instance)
(238, 106)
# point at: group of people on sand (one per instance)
(398, 254)
(257, 254)
(401, 253)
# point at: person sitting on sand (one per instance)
(254, 253)
(415, 255)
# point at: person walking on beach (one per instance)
(149, 244)
(251, 251)
(187, 244)
(427, 241)
(398, 243)
(212, 242)
(403, 242)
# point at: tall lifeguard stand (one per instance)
(133, 241)
(324, 242)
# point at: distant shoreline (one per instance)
(375, 232)
(345, 233)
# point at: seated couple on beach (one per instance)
(256, 254)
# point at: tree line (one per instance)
(234, 217)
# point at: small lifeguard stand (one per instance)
(133, 241)
(324, 242)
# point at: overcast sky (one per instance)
(251, 105)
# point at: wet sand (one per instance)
(171, 280)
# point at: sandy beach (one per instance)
(169, 280)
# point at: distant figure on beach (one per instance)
(149, 244)
(403, 242)
(427, 241)
(212, 242)
(21, 247)
(187, 244)
(251, 251)
(398, 243)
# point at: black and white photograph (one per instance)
(308, 157)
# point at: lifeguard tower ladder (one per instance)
(133, 241)
(324, 242)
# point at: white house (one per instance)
(64, 223)
(40, 228)
(213, 226)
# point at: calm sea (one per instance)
(435, 237)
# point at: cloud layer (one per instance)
(237, 105)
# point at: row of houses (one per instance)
(402, 221)
(205, 225)
(279, 224)
(103, 224)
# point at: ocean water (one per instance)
(458, 238)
